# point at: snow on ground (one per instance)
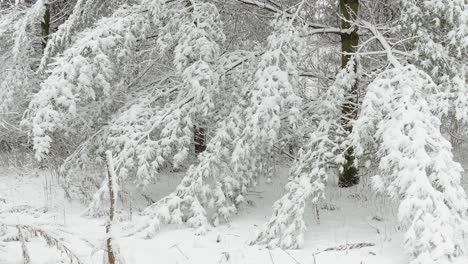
(350, 217)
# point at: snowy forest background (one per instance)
(233, 131)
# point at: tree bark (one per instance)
(200, 139)
(45, 25)
(199, 133)
(110, 251)
(349, 42)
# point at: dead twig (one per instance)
(50, 240)
(271, 257)
(346, 247)
(297, 261)
(180, 251)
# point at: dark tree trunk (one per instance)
(349, 9)
(110, 251)
(45, 26)
(200, 140)
(199, 133)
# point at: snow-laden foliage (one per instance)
(257, 80)
(18, 54)
(187, 202)
(196, 56)
(151, 133)
(309, 173)
(234, 157)
(439, 32)
(23, 37)
(90, 70)
(273, 102)
(399, 120)
(272, 105)
(84, 14)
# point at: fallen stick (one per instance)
(346, 247)
(180, 251)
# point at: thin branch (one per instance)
(388, 49)
(262, 4)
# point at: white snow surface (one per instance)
(350, 216)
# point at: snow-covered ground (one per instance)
(354, 226)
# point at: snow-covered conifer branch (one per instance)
(441, 47)
(84, 14)
(23, 40)
(147, 138)
(234, 157)
(87, 71)
(309, 173)
(399, 118)
(196, 61)
(273, 96)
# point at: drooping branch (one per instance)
(316, 28)
(399, 120)
(267, 5)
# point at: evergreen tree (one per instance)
(209, 89)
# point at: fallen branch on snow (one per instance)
(346, 247)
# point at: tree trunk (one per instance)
(200, 139)
(110, 185)
(349, 10)
(199, 133)
(45, 25)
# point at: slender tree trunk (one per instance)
(45, 31)
(45, 25)
(349, 9)
(199, 133)
(110, 185)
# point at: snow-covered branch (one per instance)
(399, 119)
